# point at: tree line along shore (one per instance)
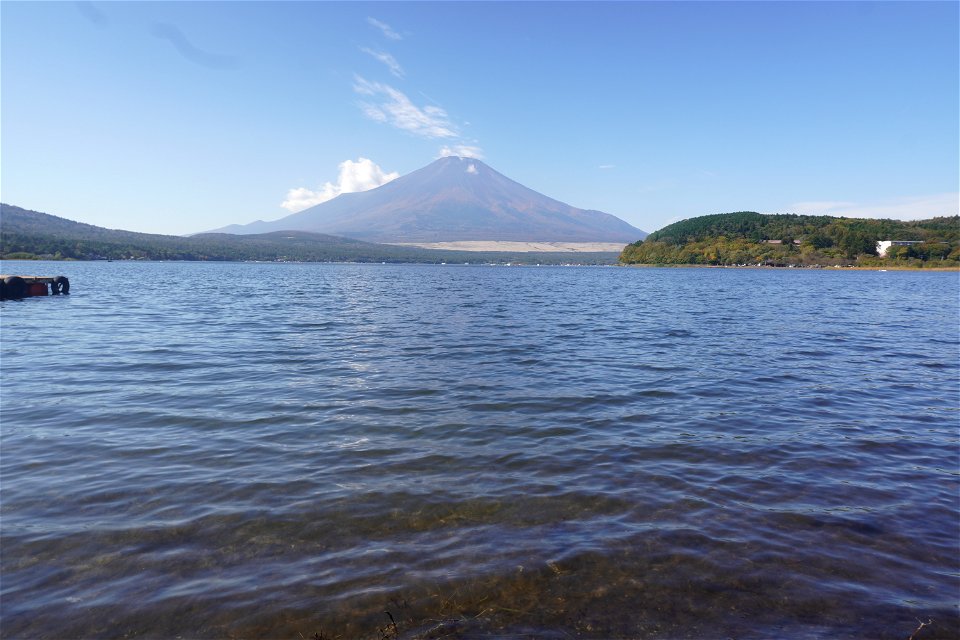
(748, 238)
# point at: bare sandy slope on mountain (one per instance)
(519, 247)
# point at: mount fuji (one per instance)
(452, 199)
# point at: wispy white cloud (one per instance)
(606, 166)
(386, 59)
(461, 151)
(395, 108)
(361, 175)
(472, 169)
(385, 29)
(911, 208)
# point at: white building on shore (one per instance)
(883, 245)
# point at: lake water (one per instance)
(299, 451)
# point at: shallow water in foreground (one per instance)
(276, 451)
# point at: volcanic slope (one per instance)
(452, 199)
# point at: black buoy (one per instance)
(60, 285)
(14, 288)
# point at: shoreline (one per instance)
(511, 246)
(515, 262)
(753, 266)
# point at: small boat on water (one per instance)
(17, 287)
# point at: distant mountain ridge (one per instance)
(26, 234)
(452, 199)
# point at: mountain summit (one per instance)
(451, 199)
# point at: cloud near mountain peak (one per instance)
(362, 175)
(461, 151)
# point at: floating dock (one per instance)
(17, 287)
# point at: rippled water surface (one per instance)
(278, 451)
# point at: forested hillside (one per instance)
(750, 238)
(28, 234)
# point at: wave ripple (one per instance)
(241, 450)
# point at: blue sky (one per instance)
(182, 117)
